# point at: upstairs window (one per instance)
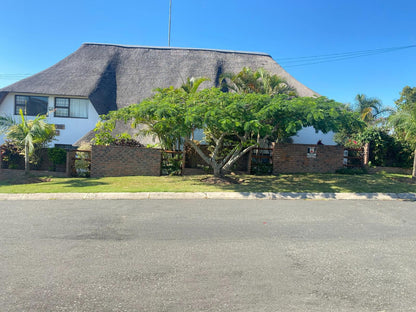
(73, 108)
(31, 105)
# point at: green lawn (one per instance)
(332, 183)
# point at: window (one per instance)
(31, 105)
(74, 108)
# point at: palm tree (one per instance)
(27, 134)
(259, 81)
(370, 108)
(5, 123)
(192, 84)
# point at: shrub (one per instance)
(171, 163)
(82, 164)
(57, 155)
(126, 142)
(12, 157)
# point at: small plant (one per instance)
(171, 164)
(82, 164)
(126, 142)
(156, 145)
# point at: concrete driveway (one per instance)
(207, 255)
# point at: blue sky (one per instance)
(37, 34)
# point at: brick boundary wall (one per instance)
(118, 161)
(293, 158)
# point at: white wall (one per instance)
(304, 136)
(75, 128)
(309, 136)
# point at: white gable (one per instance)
(69, 129)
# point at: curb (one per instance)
(210, 195)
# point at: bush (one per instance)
(171, 163)
(126, 142)
(261, 168)
(57, 156)
(11, 156)
(82, 164)
(385, 150)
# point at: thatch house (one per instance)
(98, 78)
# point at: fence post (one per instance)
(249, 162)
(183, 159)
(68, 165)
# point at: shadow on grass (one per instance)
(78, 182)
(21, 179)
(24, 180)
(323, 183)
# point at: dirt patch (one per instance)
(405, 180)
(36, 180)
(221, 181)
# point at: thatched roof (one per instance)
(114, 76)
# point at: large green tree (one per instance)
(233, 123)
(27, 134)
(404, 120)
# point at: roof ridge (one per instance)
(174, 48)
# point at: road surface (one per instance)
(207, 255)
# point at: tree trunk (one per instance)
(218, 173)
(414, 166)
(26, 159)
(366, 154)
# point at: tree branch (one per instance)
(206, 158)
(218, 144)
(237, 156)
(230, 154)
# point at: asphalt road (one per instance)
(207, 255)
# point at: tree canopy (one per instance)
(233, 123)
(404, 120)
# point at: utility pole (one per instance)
(170, 19)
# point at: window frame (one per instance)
(23, 107)
(68, 108)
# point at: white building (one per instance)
(98, 78)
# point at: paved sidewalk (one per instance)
(211, 195)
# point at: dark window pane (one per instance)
(38, 105)
(31, 105)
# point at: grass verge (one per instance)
(316, 183)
